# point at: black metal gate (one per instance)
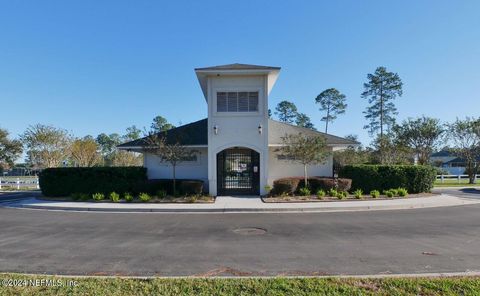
(238, 172)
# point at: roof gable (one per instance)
(237, 66)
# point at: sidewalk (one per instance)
(227, 204)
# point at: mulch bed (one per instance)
(314, 198)
(168, 200)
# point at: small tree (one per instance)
(389, 150)
(47, 146)
(304, 149)
(422, 135)
(108, 146)
(160, 124)
(304, 121)
(333, 103)
(10, 150)
(465, 135)
(126, 158)
(354, 154)
(85, 152)
(286, 111)
(171, 153)
(381, 90)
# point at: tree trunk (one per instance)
(305, 173)
(472, 172)
(174, 181)
(328, 118)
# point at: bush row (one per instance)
(414, 178)
(293, 185)
(66, 181)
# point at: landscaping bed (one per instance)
(314, 198)
(153, 199)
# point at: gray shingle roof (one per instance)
(191, 134)
(196, 134)
(238, 67)
(277, 130)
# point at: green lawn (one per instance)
(248, 286)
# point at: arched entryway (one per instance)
(238, 172)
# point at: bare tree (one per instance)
(304, 149)
(157, 144)
(47, 146)
(126, 158)
(85, 152)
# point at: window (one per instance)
(237, 101)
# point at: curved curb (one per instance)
(462, 202)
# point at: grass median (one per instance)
(39, 285)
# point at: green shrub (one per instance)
(161, 194)
(325, 183)
(189, 187)
(320, 193)
(291, 185)
(128, 197)
(358, 194)
(394, 192)
(374, 193)
(389, 193)
(192, 199)
(414, 178)
(144, 197)
(98, 196)
(76, 196)
(115, 197)
(84, 197)
(332, 192)
(342, 194)
(183, 186)
(402, 192)
(285, 186)
(65, 181)
(304, 191)
(267, 188)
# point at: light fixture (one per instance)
(215, 129)
(259, 128)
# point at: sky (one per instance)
(101, 66)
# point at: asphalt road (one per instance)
(376, 242)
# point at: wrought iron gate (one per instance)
(238, 172)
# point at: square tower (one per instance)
(237, 98)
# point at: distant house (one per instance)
(237, 144)
(449, 162)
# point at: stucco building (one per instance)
(237, 144)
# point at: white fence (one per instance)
(455, 178)
(19, 183)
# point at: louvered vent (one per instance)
(237, 101)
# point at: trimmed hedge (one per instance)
(183, 186)
(292, 185)
(285, 186)
(414, 178)
(65, 181)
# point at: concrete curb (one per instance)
(472, 273)
(241, 210)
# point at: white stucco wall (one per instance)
(185, 170)
(283, 168)
(237, 129)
